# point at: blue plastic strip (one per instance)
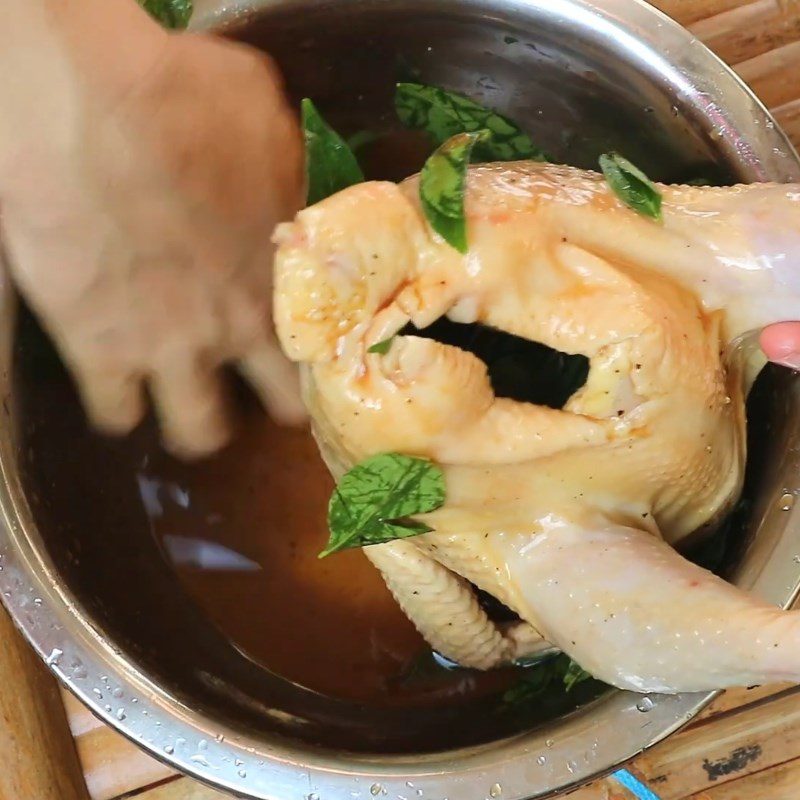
(633, 784)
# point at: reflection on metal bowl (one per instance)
(93, 588)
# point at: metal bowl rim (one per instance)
(526, 765)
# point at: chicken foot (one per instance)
(446, 612)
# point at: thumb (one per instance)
(781, 343)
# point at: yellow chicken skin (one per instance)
(567, 516)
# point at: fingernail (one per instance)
(791, 360)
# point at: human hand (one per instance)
(142, 240)
(781, 343)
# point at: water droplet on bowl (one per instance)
(375, 789)
(786, 502)
(495, 790)
(242, 774)
(238, 762)
(549, 743)
(169, 749)
(645, 704)
(118, 692)
(409, 784)
(97, 693)
(121, 715)
(199, 759)
(312, 796)
(220, 737)
(571, 766)
(202, 745)
(541, 760)
(54, 657)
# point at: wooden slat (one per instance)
(688, 11)
(183, 789)
(81, 720)
(605, 789)
(111, 764)
(788, 117)
(735, 745)
(738, 698)
(780, 783)
(37, 753)
(749, 30)
(774, 76)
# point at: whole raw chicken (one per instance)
(569, 517)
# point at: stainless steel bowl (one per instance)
(105, 611)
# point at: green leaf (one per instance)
(373, 501)
(442, 186)
(361, 139)
(382, 348)
(545, 676)
(530, 687)
(534, 682)
(330, 163)
(574, 674)
(631, 185)
(444, 114)
(170, 13)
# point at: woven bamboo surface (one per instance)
(746, 746)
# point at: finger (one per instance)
(190, 408)
(277, 382)
(781, 343)
(114, 401)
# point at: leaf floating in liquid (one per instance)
(545, 676)
(443, 114)
(574, 675)
(374, 500)
(330, 163)
(361, 139)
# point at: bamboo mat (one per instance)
(746, 746)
